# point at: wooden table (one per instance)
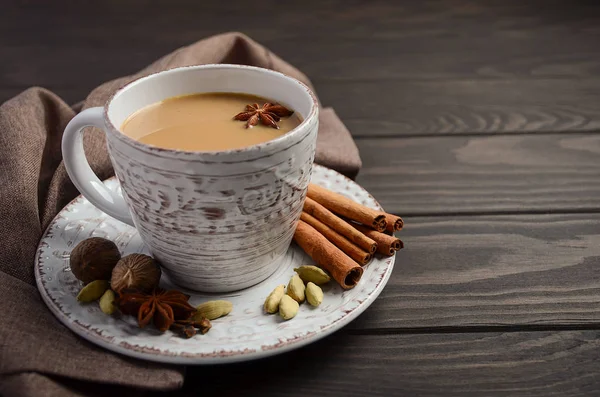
(478, 123)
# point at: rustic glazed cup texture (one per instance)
(216, 221)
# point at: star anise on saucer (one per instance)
(187, 328)
(163, 307)
(269, 114)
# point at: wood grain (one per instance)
(389, 68)
(480, 364)
(457, 175)
(492, 271)
(466, 106)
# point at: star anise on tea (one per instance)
(269, 114)
(161, 307)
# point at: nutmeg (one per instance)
(94, 259)
(135, 271)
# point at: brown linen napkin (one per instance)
(38, 356)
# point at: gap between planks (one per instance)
(473, 329)
(474, 134)
(560, 211)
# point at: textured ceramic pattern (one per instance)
(201, 226)
(247, 333)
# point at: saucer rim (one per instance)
(158, 355)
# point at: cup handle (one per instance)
(80, 172)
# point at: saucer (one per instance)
(247, 333)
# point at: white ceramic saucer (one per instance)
(245, 334)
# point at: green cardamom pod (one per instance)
(213, 309)
(312, 274)
(272, 302)
(288, 307)
(314, 294)
(93, 291)
(107, 302)
(295, 288)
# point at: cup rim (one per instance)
(256, 147)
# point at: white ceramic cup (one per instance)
(216, 221)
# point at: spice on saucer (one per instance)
(133, 290)
(203, 325)
(340, 266)
(394, 223)
(271, 305)
(107, 302)
(348, 208)
(93, 291)
(212, 310)
(137, 272)
(295, 289)
(352, 250)
(94, 259)
(314, 294)
(161, 307)
(386, 245)
(287, 302)
(314, 274)
(333, 221)
(341, 235)
(288, 307)
(187, 331)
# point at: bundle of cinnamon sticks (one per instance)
(341, 235)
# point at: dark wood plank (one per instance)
(486, 364)
(493, 174)
(389, 68)
(531, 270)
(402, 108)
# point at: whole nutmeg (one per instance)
(135, 271)
(94, 259)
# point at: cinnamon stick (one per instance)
(341, 267)
(315, 209)
(350, 209)
(386, 244)
(354, 252)
(394, 223)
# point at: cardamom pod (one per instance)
(272, 302)
(295, 288)
(312, 274)
(288, 307)
(107, 302)
(213, 309)
(314, 294)
(93, 291)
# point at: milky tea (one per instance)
(203, 122)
